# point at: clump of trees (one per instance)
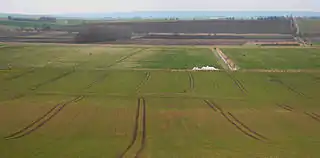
(102, 33)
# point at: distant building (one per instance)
(49, 19)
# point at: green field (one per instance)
(99, 101)
(275, 58)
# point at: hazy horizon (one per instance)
(108, 6)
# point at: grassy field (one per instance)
(99, 101)
(275, 58)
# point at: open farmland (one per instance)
(275, 58)
(123, 101)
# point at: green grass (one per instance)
(178, 121)
(275, 58)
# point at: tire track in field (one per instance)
(246, 127)
(237, 123)
(32, 70)
(41, 121)
(275, 79)
(53, 79)
(126, 57)
(139, 129)
(313, 116)
(191, 82)
(97, 80)
(144, 81)
(286, 107)
(237, 83)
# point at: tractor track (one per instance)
(237, 123)
(140, 120)
(20, 75)
(238, 83)
(286, 107)
(313, 116)
(191, 81)
(42, 120)
(246, 127)
(144, 129)
(288, 87)
(99, 79)
(52, 79)
(144, 81)
(126, 57)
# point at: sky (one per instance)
(96, 6)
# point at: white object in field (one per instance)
(205, 68)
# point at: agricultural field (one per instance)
(121, 101)
(274, 58)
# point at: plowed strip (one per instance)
(52, 80)
(20, 75)
(25, 131)
(246, 127)
(135, 130)
(191, 81)
(312, 116)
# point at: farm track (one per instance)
(144, 81)
(41, 121)
(238, 83)
(138, 132)
(237, 123)
(191, 82)
(32, 70)
(52, 80)
(286, 107)
(97, 80)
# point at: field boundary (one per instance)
(41, 121)
(140, 124)
(237, 123)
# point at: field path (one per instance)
(237, 83)
(41, 121)
(138, 142)
(275, 79)
(236, 122)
